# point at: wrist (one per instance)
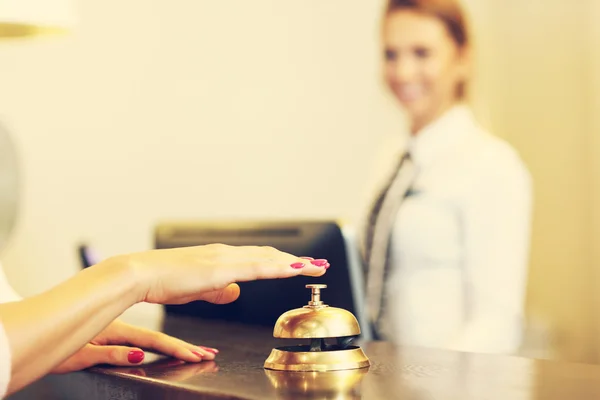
(126, 276)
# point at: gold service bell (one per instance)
(330, 330)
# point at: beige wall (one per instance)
(207, 109)
(540, 102)
(224, 109)
(594, 110)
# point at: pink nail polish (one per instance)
(210, 349)
(326, 266)
(135, 356)
(197, 354)
(307, 258)
(319, 263)
(297, 265)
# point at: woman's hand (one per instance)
(121, 344)
(181, 275)
(54, 325)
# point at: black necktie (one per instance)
(375, 210)
(378, 232)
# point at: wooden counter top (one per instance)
(396, 373)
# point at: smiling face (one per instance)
(424, 66)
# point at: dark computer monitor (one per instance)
(262, 302)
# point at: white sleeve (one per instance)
(5, 362)
(7, 293)
(496, 222)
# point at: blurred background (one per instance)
(201, 109)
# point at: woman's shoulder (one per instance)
(488, 148)
(494, 160)
(477, 144)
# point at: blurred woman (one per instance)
(447, 239)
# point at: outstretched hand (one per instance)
(209, 273)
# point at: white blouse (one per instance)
(460, 245)
(7, 294)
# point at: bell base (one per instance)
(320, 361)
(322, 385)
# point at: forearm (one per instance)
(46, 329)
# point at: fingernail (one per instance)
(308, 258)
(135, 356)
(326, 266)
(197, 354)
(210, 349)
(319, 263)
(297, 265)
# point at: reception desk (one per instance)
(395, 373)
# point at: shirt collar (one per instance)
(441, 135)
